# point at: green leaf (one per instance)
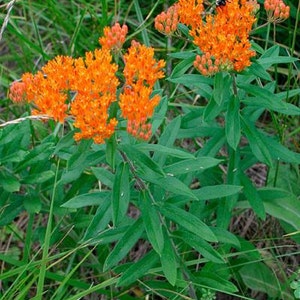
(258, 277)
(39, 154)
(226, 237)
(89, 199)
(11, 210)
(232, 125)
(111, 145)
(104, 176)
(120, 193)
(125, 244)
(33, 204)
(39, 177)
(281, 152)
(192, 165)
(182, 67)
(216, 191)
(167, 139)
(222, 83)
(212, 110)
(152, 223)
(191, 79)
(64, 143)
(253, 197)
(257, 144)
(143, 162)
(138, 269)
(99, 222)
(188, 221)
(173, 185)
(280, 204)
(165, 150)
(9, 182)
(168, 260)
(201, 246)
(214, 281)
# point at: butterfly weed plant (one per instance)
(124, 170)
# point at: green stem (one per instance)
(43, 267)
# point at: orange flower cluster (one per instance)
(85, 88)
(96, 85)
(51, 88)
(276, 10)
(223, 38)
(114, 37)
(167, 22)
(17, 92)
(190, 12)
(141, 72)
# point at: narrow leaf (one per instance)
(190, 165)
(138, 269)
(257, 144)
(188, 221)
(120, 193)
(253, 197)
(201, 246)
(232, 125)
(152, 223)
(216, 191)
(168, 260)
(126, 242)
(89, 199)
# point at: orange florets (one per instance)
(141, 72)
(167, 22)
(96, 87)
(190, 12)
(276, 10)
(114, 37)
(17, 91)
(225, 36)
(48, 89)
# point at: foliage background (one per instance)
(147, 243)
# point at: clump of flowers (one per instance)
(141, 72)
(84, 88)
(114, 37)
(96, 85)
(276, 10)
(190, 12)
(17, 91)
(167, 22)
(223, 37)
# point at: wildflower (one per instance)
(190, 12)
(114, 37)
(141, 72)
(96, 87)
(48, 89)
(225, 35)
(167, 22)
(207, 65)
(17, 91)
(276, 10)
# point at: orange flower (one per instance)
(114, 37)
(224, 36)
(167, 22)
(48, 89)
(96, 86)
(17, 91)
(141, 72)
(276, 10)
(190, 12)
